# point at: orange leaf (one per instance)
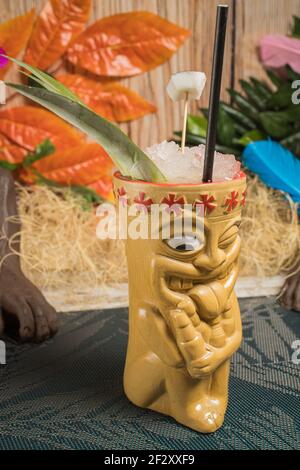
(58, 25)
(109, 99)
(79, 165)
(28, 126)
(10, 152)
(126, 44)
(104, 187)
(14, 35)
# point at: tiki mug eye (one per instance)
(229, 236)
(186, 243)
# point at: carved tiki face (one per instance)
(200, 263)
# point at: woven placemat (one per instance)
(68, 394)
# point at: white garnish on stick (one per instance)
(2, 92)
(185, 86)
(182, 83)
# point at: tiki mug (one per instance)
(184, 318)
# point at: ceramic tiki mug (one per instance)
(184, 318)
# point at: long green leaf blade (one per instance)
(46, 80)
(127, 156)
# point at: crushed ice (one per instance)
(188, 167)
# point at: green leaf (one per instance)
(291, 139)
(292, 143)
(275, 79)
(292, 74)
(9, 166)
(276, 124)
(204, 112)
(252, 94)
(243, 104)
(197, 140)
(41, 151)
(251, 136)
(296, 27)
(282, 98)
(88, 194)
(32, 81)
(261, 88)
(239, 128)
(47, 81)
(128, 157)
(238, 116)
(225, 128)
(293, 113)
(197, 125)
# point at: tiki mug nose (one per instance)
(211, 260)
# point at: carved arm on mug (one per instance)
(157, 324)
(212, 301)
(201, 358)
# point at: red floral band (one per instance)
(207, 202)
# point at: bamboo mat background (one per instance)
(249, 20)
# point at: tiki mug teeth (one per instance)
(184, 318)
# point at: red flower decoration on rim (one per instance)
(206, 202)
(173, 203)
(243, 200)
(122, 196)
(142, 202)
(232, 201)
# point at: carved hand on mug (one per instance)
(201, 359)
(206, 364)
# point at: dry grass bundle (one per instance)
(270, 232)
(60, 248)
(59, 244)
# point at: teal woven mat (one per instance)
(67, 393)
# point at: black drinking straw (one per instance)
(215, 87)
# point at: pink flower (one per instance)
(3, 60)
(277, 51)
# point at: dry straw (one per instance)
(270, 233)
(60, 249)
(59, 245)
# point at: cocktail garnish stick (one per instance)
(185, 116)
(186, 86)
